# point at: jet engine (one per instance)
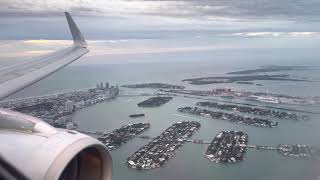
(36, 150)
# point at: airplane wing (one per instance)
(31, 148)
(17, 76)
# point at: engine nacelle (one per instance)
(40, 151)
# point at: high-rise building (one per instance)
(107, 85)
(69, 106)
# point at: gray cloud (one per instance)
(158, 19)
(295, 10)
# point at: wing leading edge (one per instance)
(20, 75)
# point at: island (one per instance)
(246, 120)
(271, 68)
(154, 101)
(230, 147)
(244, 82)
(116, 138)
(242, 79)
(245, 95)
(156, 153)
(298, 151)
(154, 86)
(255, 110)
(227, 147)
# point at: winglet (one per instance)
(78, 39)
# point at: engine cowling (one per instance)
(40, 151)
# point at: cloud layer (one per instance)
(297, 10)
(275, 34)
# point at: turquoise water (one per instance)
(189, 162)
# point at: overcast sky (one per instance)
(169, 25)
(216, 16)
(297, 10)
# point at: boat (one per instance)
(268, 100)
(136, 115)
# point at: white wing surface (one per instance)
(32, 149)
(15, 77)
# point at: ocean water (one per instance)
(189, 162)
